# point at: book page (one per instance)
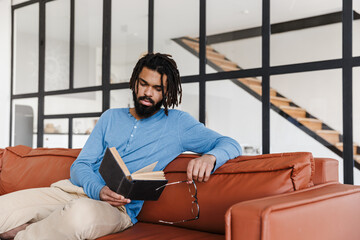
(148, 168)
(157, 175)
(116, 155)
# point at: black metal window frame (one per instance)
(346, 64)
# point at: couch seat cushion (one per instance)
(149, 231)
(24, 167)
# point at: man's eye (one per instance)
(142, 83)
(158, 89)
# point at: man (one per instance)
(84, 207)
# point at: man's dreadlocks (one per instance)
(163, 64)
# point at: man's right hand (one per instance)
(109, 196)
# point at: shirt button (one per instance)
(132, 135)
(135, 127)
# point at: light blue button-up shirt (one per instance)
(141, 142)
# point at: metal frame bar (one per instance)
(202, 62)
(347, 79)
(266, 30)
(151, 27)
(41, 96)
(106, 55)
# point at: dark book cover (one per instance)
(118, 182)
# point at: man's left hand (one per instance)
(200, 168)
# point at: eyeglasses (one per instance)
(195, 209)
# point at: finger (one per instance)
(190, 170)
(122, 199)
(111, 194)
(116, 196)
(202, 172)
(196, 169)
(117, 201)
(207, 173)
(115, 204)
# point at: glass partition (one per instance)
(306, 115)
(56, 133)
(82, 127)
(190, 99)
(302, 31)
(24, 122)
(174, 21)
(121, 98)
(73, 103)
(26, 49)
(88, 43)
(57, 51)
(233, 108)
(129, 33)
(356, 29)
(356, 121)
(233, 34)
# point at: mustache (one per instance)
(146, 98)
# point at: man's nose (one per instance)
(148, 91)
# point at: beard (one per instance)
(145, 111)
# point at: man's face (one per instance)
(148, 93)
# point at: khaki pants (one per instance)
(61, 211)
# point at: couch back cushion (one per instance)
(24, 167)
(240, 179)
(1, 154)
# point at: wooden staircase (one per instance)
(284, 106)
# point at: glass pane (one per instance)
(356, 121)
(233, 34)
(304, 31)
(356, 28)
(121, 98)
(73, 103)
(82, 127)
(56, 133)
(169, 36)
(129, 33)
(57, 51)
(88, 43)
(233, 108)
(307, 114)
(26, 49)
(24, 122)
(190, 99)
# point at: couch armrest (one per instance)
(328, 211)
(326, 170)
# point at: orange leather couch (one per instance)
(268, 197)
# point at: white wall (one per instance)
(5, 50)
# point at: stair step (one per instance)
(250, 81)
(195, 45)
(329, 135)
(258, 90)
(280, 101)
(192, 38)
(210, 53)
(219, 61)
(311, 123)
(340, 146)
(357, 158)
(213, 54)
(228, 68)
(294, 112)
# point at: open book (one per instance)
(140, 185)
